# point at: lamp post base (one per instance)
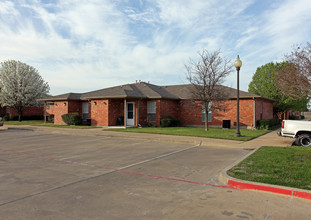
(237, 134)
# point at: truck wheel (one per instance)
(304, 140)
(296, 142)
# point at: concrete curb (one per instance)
(225, 179)
(138, 136)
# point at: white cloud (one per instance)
(92, 44)
(7, 9)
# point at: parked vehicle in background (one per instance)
(1, 121)
(301, 130)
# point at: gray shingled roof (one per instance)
(145, 90)
(67, 96)
(136, 90)
(185, 92)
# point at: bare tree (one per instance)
(206, 74)
(294, 80)
(21, 86)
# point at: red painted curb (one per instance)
(304, 195)
(296, 193)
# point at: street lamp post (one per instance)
(238, 64)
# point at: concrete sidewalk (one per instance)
(270, 139)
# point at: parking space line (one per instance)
(121, 170)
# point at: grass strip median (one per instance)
(283, 166)
(219, 133)
(41, 123)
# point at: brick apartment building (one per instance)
(28, 112)
(142, 103)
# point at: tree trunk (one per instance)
(206, 117)
(20, 113)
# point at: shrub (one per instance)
(51, 118)
(72, 118)
(14, 118)
(269, 124)
(294, 117)
(6, 118)
(169, 122)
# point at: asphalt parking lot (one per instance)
(67, 176)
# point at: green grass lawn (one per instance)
(41, 123)
(30, 122)
(284, 166)
(198, 132)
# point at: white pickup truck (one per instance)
(301, 130)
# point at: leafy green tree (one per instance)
(21, 86)
(264, 83)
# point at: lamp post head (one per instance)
(238, 63)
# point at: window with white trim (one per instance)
(209, 112)
(151, 111)
(85, 110)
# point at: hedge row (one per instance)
(269, 124)
(15, 118)
(293, 117)
(50, 118)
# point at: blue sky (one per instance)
(84, 45)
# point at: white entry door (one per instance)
(130, 113)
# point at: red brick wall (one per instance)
(99, 112)
(267, 109)
(163, 108)
(49, 109)
(116, 110)
(246, 112)
(75, 106)
(58, 109)
(33, 111)
(190, 112)
(143, 112)
(167, 108)
(2, 110)
(30, 111)
(106, 111)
